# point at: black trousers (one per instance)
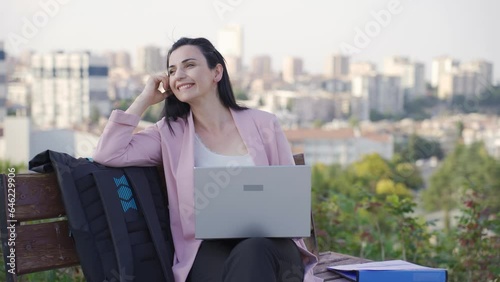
(247, 260)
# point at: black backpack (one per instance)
(118, 218)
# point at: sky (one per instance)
(313, 29)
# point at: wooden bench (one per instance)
(46, 245)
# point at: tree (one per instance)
(419, 148)
(460, 129)
(240, 95)
(153, 113)
(389, 187)
(419, 108)
(95, 114)
(261, 102)
(466, 168)
(123, 104)
(371, 168)
(317, 123)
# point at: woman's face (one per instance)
(190, 76)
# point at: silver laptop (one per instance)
(253, 201)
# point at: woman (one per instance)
(203, 126)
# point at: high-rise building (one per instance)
(68, 89)
(230, 45)
(362, 88)
(150, 60)
(119, 59)
(441, 66)
(376, 92)
(395, 65)
(389, 98)
(122, 60)
(261, 66)
(292, 68)
(484, 71)
(337, 66)
(413, 81)
(230, 41)
(3, 82)
(18, 91)
(25, 58)
(469, 79)
(362, 68)
(412, 75)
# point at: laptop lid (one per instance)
(252, 201)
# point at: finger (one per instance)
(158, 77)
(162, 75)
(166, 84)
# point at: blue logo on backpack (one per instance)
(125, 193)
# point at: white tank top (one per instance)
(204, 157)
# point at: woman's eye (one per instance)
(171, 72)
(189, 65)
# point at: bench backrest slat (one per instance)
(38, 197)
(44, 246)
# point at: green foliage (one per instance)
(261, 102)
(373, 168)
(354, 217)
(465, 168)
(353, 121)
(240, 94)
(123, 104)
(317, 123)
(420, 108)
(378, 116)
(460, 127)
(153, 113)
(5, 165)
(290, 104)
(487, 102)
(419, 148)
(478, 258)
(94, 115)
(407, 173)
(70, 274)
(490, 97)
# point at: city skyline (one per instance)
(420, 30)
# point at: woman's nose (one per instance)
(179, 73)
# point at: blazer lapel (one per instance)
(249, 132)
(185, 179)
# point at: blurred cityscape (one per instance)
(61, 100)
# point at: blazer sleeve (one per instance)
(119, 146)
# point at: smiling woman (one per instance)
(200, 112)
(191, 59)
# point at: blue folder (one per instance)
(388, 271)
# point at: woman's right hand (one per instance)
(151, 94)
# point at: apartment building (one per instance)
(412, 76)
(376, 92)
(68, 89)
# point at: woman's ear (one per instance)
(219, 70)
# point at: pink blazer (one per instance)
(155, 145)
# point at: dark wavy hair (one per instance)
(174, 108)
